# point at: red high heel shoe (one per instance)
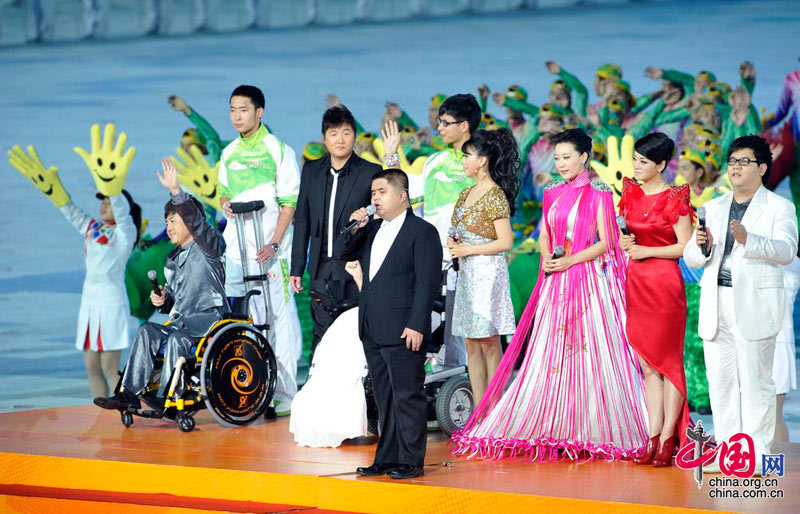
(649, 451)
(663, 458)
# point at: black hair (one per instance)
(678, 85)
(252, 92)
(396, 177)
(577, 138)
(463, 107)
(657, 147)
(758, 145)
(171, 208)
(337, 116)
(500, 147)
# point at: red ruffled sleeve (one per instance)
(631, 194)
(678, 204)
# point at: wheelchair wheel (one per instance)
(454, 404)
(238, 374)
(186, 423)
(127, 418)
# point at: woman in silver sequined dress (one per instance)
(483, 310)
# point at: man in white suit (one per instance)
(751, 234)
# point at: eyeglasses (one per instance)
(446, 123)
(744, 161)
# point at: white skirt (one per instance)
(110, 320)
(331, 407)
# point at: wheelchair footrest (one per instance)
(145, 413)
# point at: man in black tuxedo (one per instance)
(330, 189)
(401, 257)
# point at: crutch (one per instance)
(242, 211)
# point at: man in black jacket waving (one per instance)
(330, 189)
(401, 257)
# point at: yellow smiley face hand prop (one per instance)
(108, 164)
(45, 180)
(620, 164)
(195, 173)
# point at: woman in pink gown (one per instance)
(578, 393)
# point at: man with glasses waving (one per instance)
(440, 184)
(750, 234)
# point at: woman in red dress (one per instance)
(659, 219)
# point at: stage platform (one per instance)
(81, 459)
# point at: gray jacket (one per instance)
(196, 273)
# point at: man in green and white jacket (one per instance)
(259, 166)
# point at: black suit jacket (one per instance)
(353, 192)
(403, 291)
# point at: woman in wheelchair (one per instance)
(194, 296)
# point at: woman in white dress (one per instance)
(108, 242)
(331, 406)
(102, 331)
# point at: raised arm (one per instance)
(207, 237)
(791, 84)
(126, 229)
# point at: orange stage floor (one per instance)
(81, 459)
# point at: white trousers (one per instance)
(285, 336)
(740, 383)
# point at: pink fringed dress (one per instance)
(578, 393)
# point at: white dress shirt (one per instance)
(330, 211)
(383, 241)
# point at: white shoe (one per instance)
(282, 409)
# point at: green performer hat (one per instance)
(560, 84)
(517, 93)
(716, 93)
(695, 156)
(314, 151)
(366, 136)
(194, 136)
(438, 99)
(609, 71)
(554, 110)
(708, 74)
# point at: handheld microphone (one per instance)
(701, 223)
(623, 226)
(453, 232)
(370, 211)
(153, 280)
(558, 252)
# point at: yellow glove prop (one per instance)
(195, 173)
(620, 164)
(45, 180)
(109, 166)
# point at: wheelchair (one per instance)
(448, 391)
(232, 370)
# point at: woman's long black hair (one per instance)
(500, 147)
